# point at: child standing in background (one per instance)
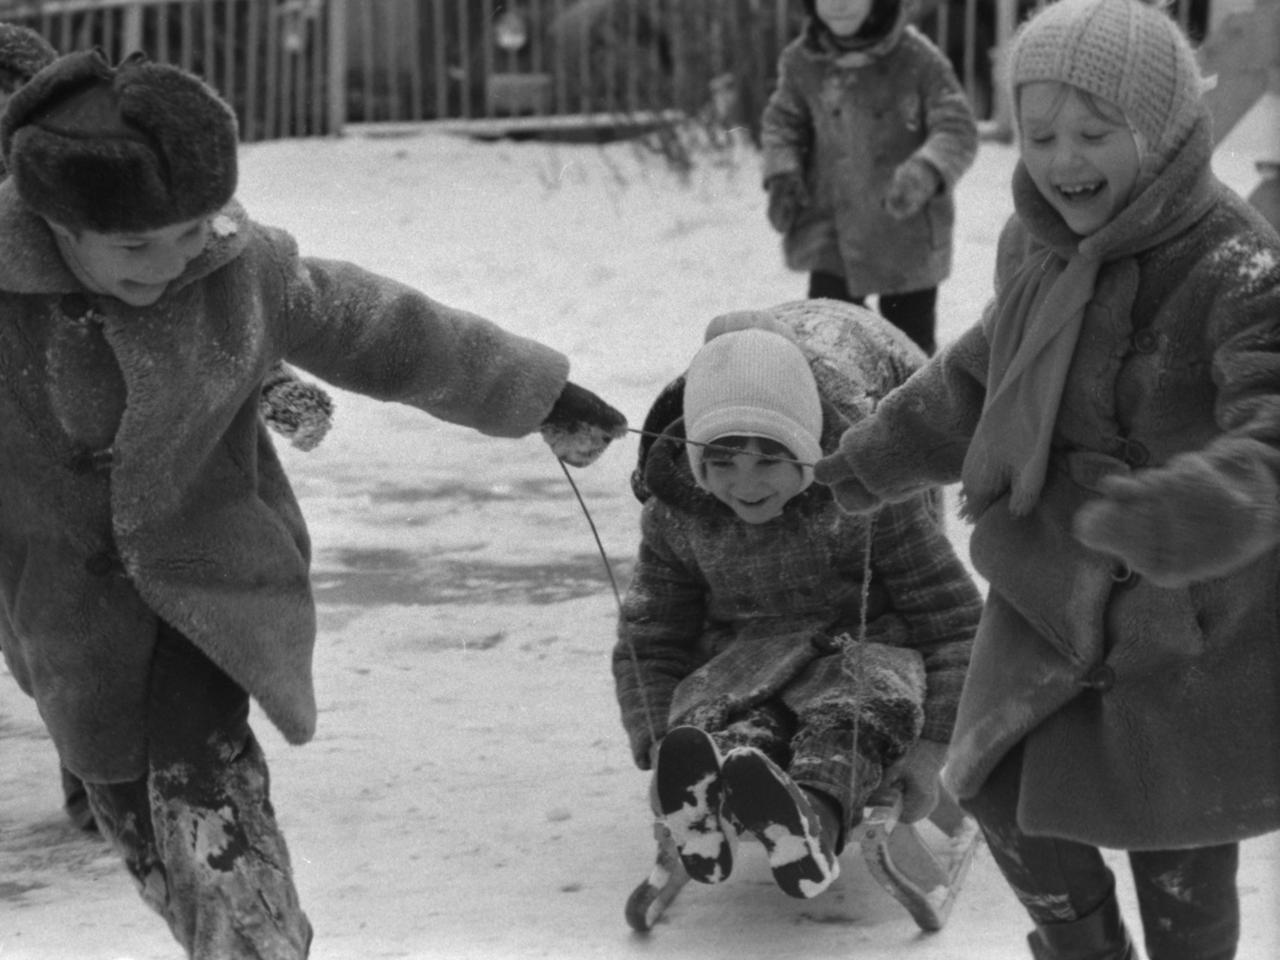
(154, 562)
(784, 659)
(863, 142)
(1114, 420)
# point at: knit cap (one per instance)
(23, 52)
(118, 149)
(754, 383)
(1128, 52)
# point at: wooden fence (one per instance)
(295, 68)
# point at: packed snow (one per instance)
(470, 792)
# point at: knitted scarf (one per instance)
(1035, 321)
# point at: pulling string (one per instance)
(716, 446)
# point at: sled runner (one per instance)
(924, 877)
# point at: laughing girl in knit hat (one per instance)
(154, 563)
(730, 660)
(1114, 421)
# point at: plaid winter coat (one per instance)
(1150, 716)
(845, 121)
(778, 593)
(137, 479)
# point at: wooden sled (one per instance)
(923, 878)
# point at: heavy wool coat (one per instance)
(137, 480)
(765, 601)
(845, 121)
(1150, 716)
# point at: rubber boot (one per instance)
(1099, 936)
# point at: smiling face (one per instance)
(844, 18)
(134, 267)
(1081, 154)
(752, 479)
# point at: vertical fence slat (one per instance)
(271, 96)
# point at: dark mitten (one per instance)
(914, 183)
(1192, 519)
(787, 197)
(299, 411)
(581, 425)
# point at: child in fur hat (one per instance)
(153, 558)
(299, 411)
(864, 139)
(1114, 421)
(784, 659)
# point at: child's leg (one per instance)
(199, 834)
(915, 314)
(831, 286)
(1189, 901)
(1065, 886)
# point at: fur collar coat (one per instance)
(846, 120)
(765, 601)
(1150, 715)
(137, 479)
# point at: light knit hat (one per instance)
(1128, 52)
(752, 383)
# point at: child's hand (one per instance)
(914, 183)
(838, 472)
(916, 775)
(1183, 522)
(787, 197)
(581, 425)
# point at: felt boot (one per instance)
(687, 776)
(767, 802)
(1101, 935)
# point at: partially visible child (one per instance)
(863, 142)
(154, 562)
(785, 659)
(1115, 422)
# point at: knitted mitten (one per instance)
(914, 182)
(299, 411)
(787, 197)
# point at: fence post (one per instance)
(337, 72)
(1001, 124)
(132, 39)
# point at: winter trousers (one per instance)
(914, 313)
(821, 758)
(198, 833)
(1187, 898)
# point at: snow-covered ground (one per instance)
(470, 793)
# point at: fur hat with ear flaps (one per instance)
(134, 147)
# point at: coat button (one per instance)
(1134, 453)
(101, 564)
(1146, 341)
(1101, 678)
(1122, 574)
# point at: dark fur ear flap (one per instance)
(666, 410)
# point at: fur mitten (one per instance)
(787, 197)
(581, 425)
(914, 182)
(299, 411)
(1193, 519)
(838, 472)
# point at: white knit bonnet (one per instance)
(754, 383)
